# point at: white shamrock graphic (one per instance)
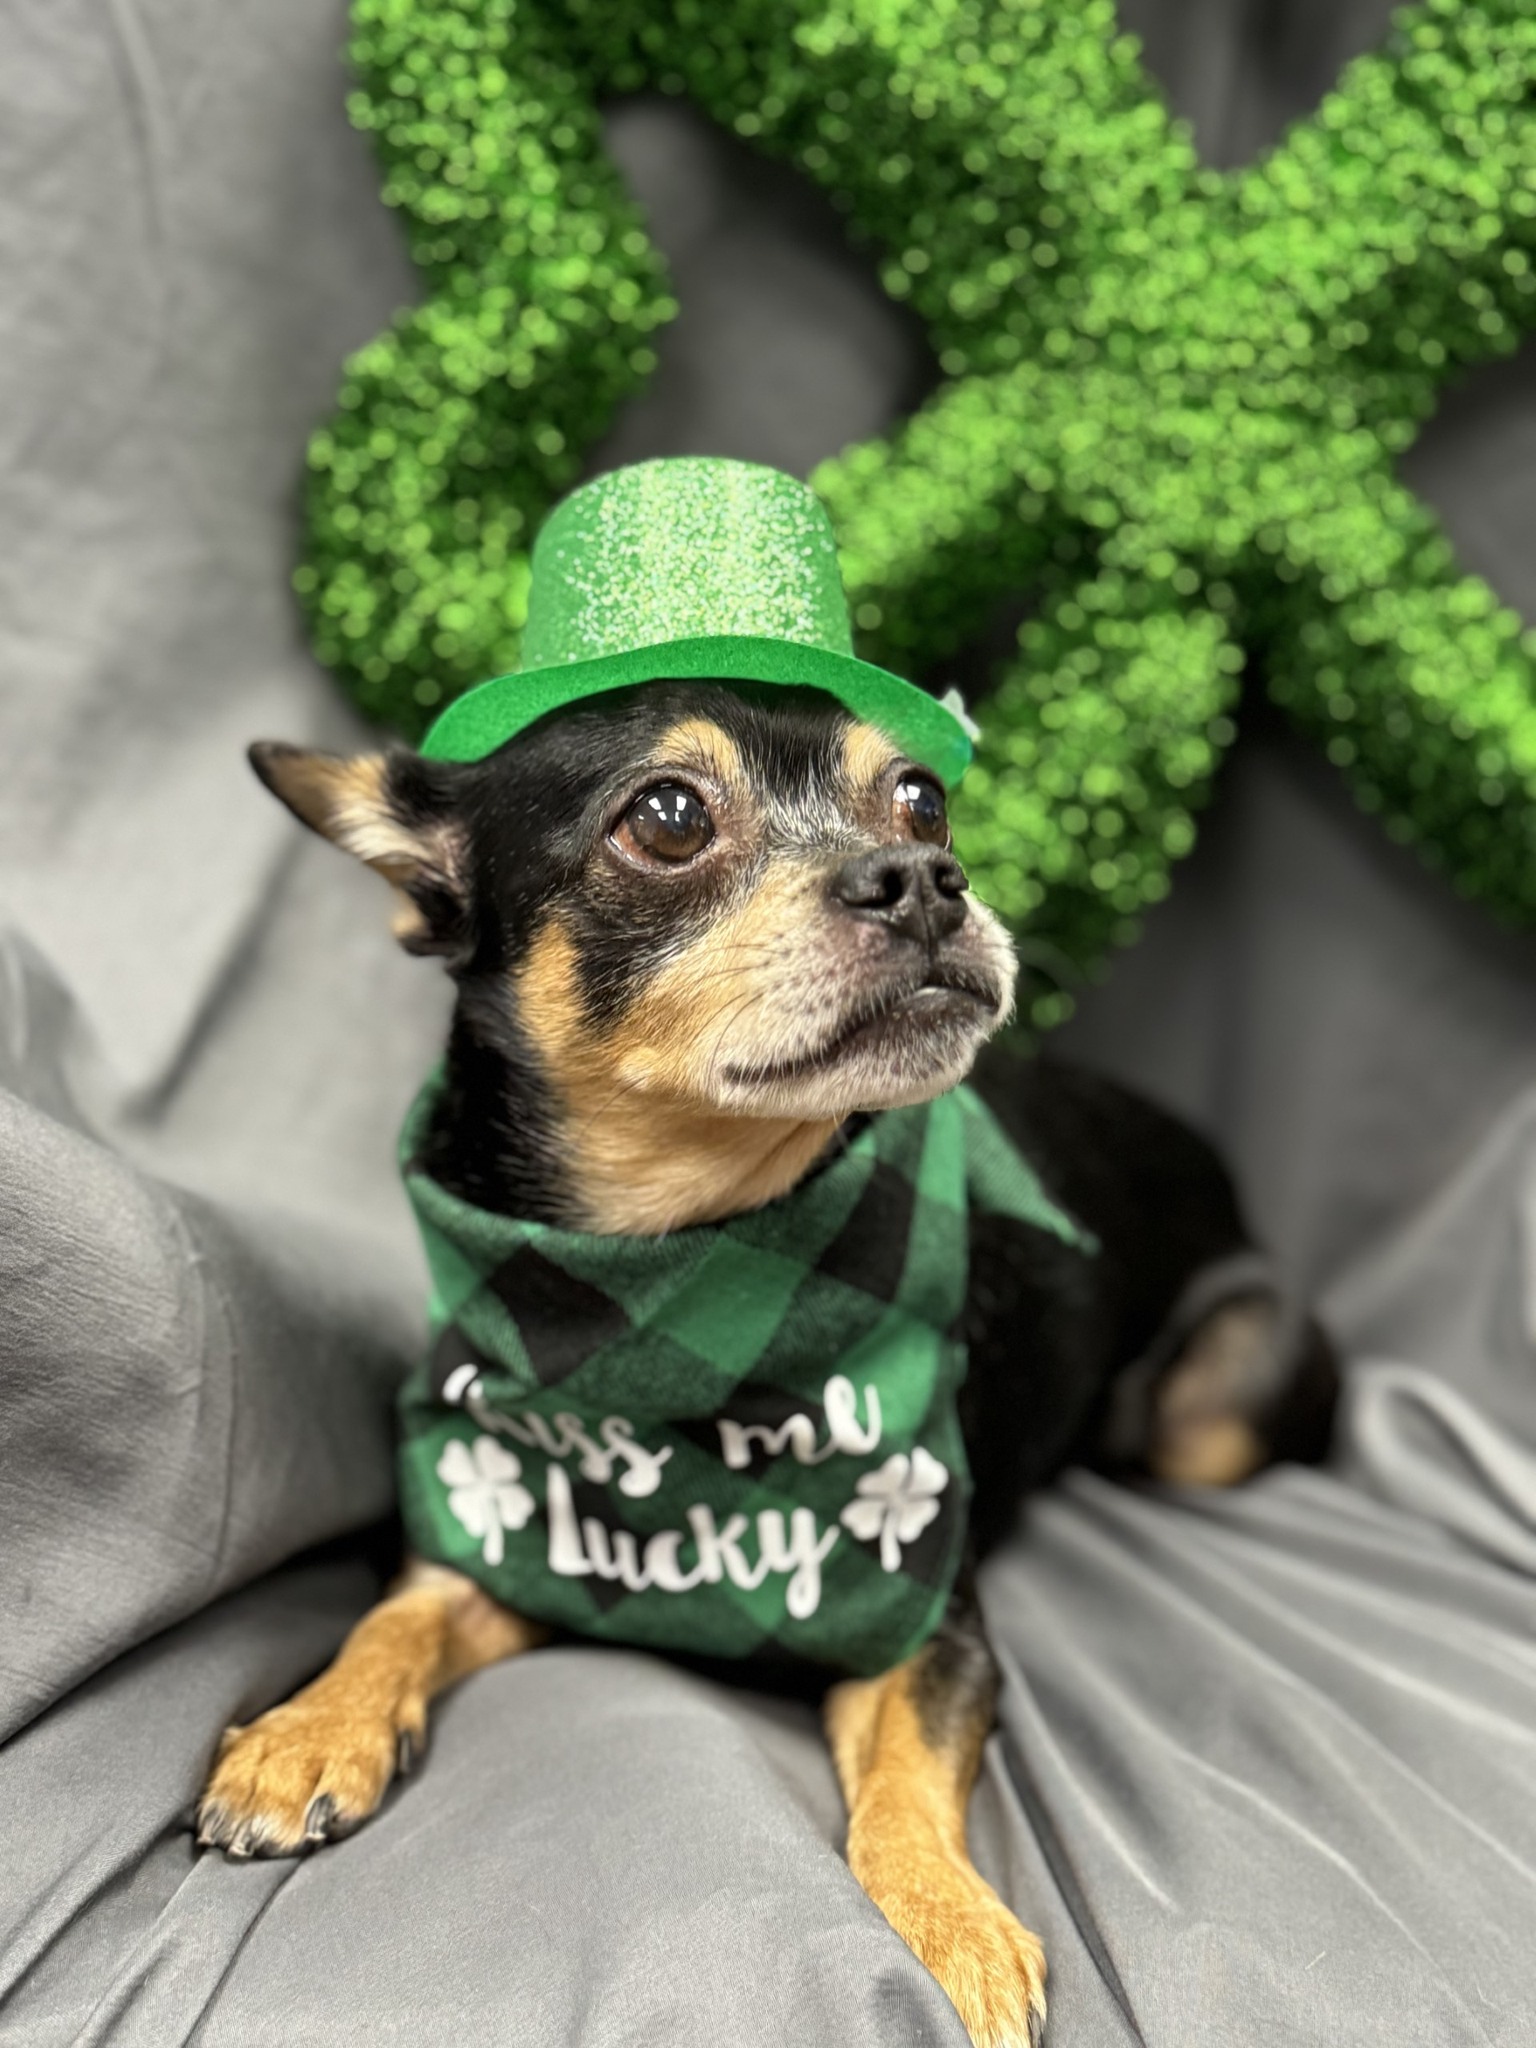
(483, 1490)
(897, 1502)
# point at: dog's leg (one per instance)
(907, 1748)
(318, 1765)
(1242, 1392)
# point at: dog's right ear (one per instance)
(396, 812)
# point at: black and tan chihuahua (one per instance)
(695, 929)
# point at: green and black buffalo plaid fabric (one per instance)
(736, 1440)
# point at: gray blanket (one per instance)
(1265, 1763)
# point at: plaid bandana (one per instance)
(735, 1440)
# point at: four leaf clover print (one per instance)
(485, 1490)
(896, 1503)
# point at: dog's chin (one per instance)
(909, 1050)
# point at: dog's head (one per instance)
(724, 902)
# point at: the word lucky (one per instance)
(583, 1546)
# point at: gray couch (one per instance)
(1266, 1769)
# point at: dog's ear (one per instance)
(396, 812)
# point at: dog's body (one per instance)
(695, 931)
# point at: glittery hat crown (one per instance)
(695, 568)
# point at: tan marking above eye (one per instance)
(700, 744)
(868, 756)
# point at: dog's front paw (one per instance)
(305, 1773)
(991, 1966)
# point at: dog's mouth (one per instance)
(945, 996)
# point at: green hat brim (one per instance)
(480, 721)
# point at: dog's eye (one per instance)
(919, 803)
(667, 823)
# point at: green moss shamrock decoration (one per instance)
(1173, 404)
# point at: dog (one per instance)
(699, 933)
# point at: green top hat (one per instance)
(693, 567)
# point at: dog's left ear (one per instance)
(396, 812)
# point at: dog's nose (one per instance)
(912, 889)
